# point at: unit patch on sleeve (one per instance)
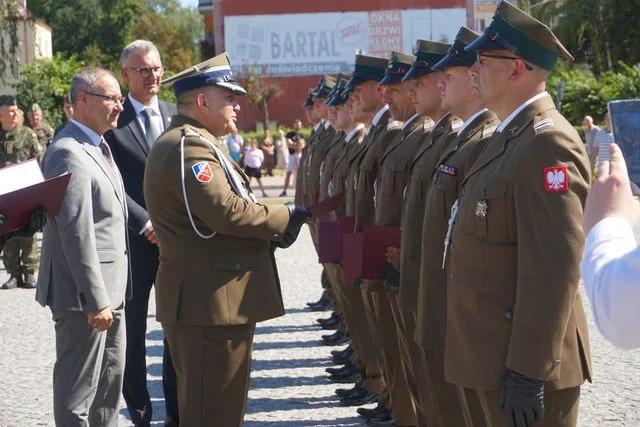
(202, 171)
(448, 170)
(556, 179)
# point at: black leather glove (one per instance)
(37, 220)
(297, 217)
(391, 277)
(521, 400)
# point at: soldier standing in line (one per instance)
(450, 407)
(39, 126)
(18, 144)
(516, 330)
(368, 107)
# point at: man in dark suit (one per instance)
(144, 118)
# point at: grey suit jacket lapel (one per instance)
(96, 155)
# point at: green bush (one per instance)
(46, 82)
(258, 135)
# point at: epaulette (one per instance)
(396, 124)
(488, 131)
(540, 123)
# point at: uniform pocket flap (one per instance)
(107, 255)
(237, 259)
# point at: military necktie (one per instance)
(115, 173)
(151, 128)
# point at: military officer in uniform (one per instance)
(36, 221)
(39, 126)
(17, 144)
(217, 275)
(516, 331)
(369, 108)
(450, 407)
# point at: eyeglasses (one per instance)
(146, 71)
(111, 99)
(527, 66)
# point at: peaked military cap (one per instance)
(309, 101)
(8, 100)
(325, 85)
(367, 68)
(427, 54)
(215, 71)
(335, 98)
(512, 29)
(397, 67)
(457, 56)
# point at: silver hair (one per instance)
(86, 80)
(143, 46)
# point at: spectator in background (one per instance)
(602, 141)
(611, 264)
(67, 108)
(235, 142)
(269, 152)
(590, 131)
(297, 155)
(293, 137)
(282, 150)
(253, 161)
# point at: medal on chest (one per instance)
(481, 208)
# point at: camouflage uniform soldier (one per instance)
(40, 127)
(17, 144)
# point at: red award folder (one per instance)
(18, 204)
(352, 257)
(326, 206)
(330, 235)
(376, 240)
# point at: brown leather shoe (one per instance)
(29, 281)
(11, 283)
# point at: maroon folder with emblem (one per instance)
(376, 240)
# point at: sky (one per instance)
(189, 3)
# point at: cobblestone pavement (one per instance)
(289, 386)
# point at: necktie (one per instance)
(115, 173)
(151, 129)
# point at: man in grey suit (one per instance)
(84, 263)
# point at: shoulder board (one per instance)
(456, 124)
(488, 131)
(543, 123)
(394, 125)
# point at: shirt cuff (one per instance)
(145, 228)
(613, 227)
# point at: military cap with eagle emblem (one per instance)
(337, 97)
(513, 30)
(398, 65)
(457, 56)
(324, 87)
(215, 71)
(366, 68)
(427, 53)
(309, 101)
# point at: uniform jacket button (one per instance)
(508, 315)
(451, 275)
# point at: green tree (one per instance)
(260, 90)
(46, 82)
(9, 42)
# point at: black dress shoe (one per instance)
(367, 413)
(359, 399)
(340, 339)
(331, 326)
(382, 419)
(347, 352)
(335, 316)
(340, 369)
(349, 376)
(347, 392)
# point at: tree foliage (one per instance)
(46, 82)
(8, 39)
(260, 90)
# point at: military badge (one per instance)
(447, 170)
(202, 171)
(481, 208)
(556, 179)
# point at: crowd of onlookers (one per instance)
(261, 158)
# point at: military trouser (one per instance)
(20, 255)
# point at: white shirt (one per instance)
(352, 132)
(511, 116)
(611, 274)
(378, 116)
(602, 140)
(408, 122)
(327, 123)
(93, 136)
(253, 158)
(155, 112)
(470, 119)
(317, 126)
